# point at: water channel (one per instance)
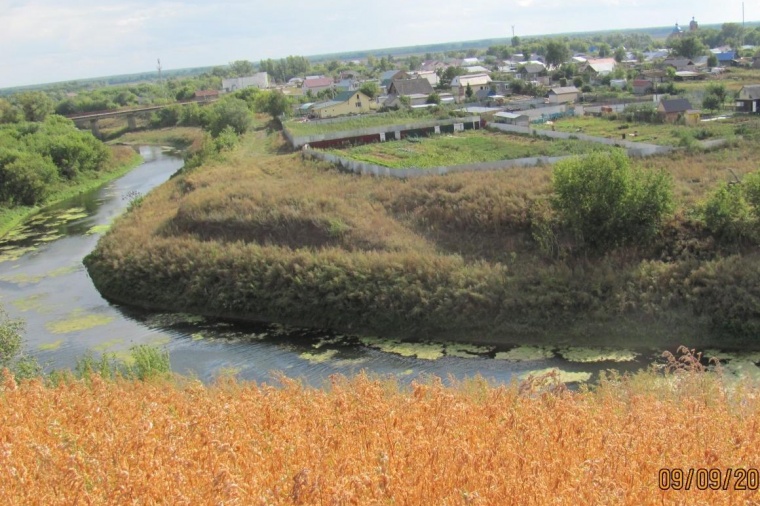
(43, 281)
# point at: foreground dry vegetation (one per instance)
(264, 235)
(371, 441)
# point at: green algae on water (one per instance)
(51, 346)
(31, 303)
(319, 358)
(424, 351)
(78, 321)
(98, 229)
(526, 353)
(587, 355)
(466, 350)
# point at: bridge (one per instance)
(82, 119)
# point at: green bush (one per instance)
(607, 203)
(728, 215)
(12, 356)
(25, 177)
(232, 112)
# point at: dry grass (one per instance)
(263, 235)
(369, 441)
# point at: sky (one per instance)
(44, 41)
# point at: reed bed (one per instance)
(371, 441)
(267, 236)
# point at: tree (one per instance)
(468, 91)
(607, 203)
(232, 112)
(370, 88)
(604, 50)
(711, 102)
(35, 105)
(274, 103)
(433, 98)
(620, 54)
(242, 68)
(556, 52)
(8, 112)
(515, 41)
(11, 349)
(688, 47)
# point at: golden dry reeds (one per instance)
(370, 441)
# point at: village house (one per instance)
(316, 84)
(387, 77)
(348, 102)
(432, 65)
(679, 63)
(677, 109)
(561, 95)
(476, 69)
(599, 67)
(259, 80)
(430, 75)
(642, 86)
(749, 99)
(530, 71)
(479, 83)
(416, 90)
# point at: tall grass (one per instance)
(267, 236)
(372, 441)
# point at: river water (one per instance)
(43, 281)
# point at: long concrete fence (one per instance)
(635, 149)
(365, 168)
(384, 132)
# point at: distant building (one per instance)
(599, 67)
(749, 99)
(677, 32)
(206, 95)
(349, 102)
(511, 118)
(676, 109)
(642, 86)
(479, 83)
(563, 95)
(315, 84)
(259, 80)
(693, 26)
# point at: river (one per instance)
(43, 281)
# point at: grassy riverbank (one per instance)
(468, 257)
(373, 441)
(123, 159)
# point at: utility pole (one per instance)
(160, 82)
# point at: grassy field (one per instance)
(372, 441)
(300, 128)
(123, 159)
(463, 148)
(662, 134)
(263, 235)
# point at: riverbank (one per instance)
(372, 440)
(123, 159)
(267, 236)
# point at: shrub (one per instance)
(732, 212)
(11, 348)
(607, 203)
(24, 177)
(232, 112)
